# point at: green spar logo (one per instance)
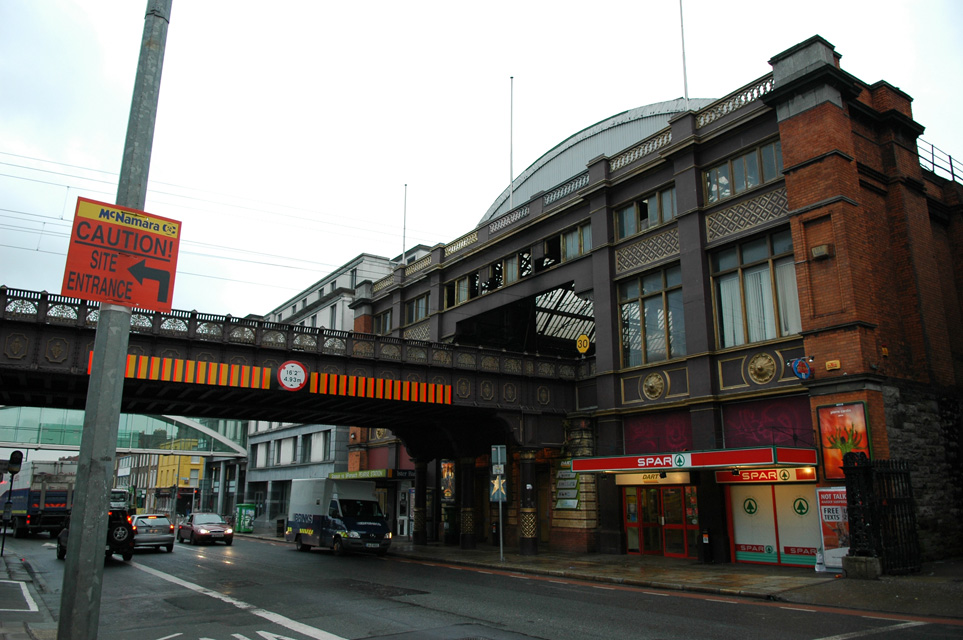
(800, 506)
(750, 506)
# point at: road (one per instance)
(263, 590)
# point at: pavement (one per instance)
(936, 591)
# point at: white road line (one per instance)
(31, 605)
(720, 600)
(270, 616)
(798, 609)
(653, 593)
(872, 632)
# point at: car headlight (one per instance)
(354, 534)
(203, 531)
(388, 536)
(229, 531)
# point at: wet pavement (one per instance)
(936, 591)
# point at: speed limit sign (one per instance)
(582, 343)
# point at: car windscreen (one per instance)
(205, 519)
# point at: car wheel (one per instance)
(127, 556)
(339, 549)
(119, 533)
(229, 541)
(300, 546)
(170, 548)
(194, 540)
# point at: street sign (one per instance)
(122, 256)
(582, 343)
(498, 493)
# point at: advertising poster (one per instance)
(842, 428)
(447, 481)
(834, 523)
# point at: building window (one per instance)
(655, 209)
(417, 309)
(260, 455)
(576, 241)
(461, 290)
(382, 323)
(754, 284)
(744, 172)
(354, 278)
(653, 325)
(333, 316)
(320, 446)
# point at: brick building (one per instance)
(766, 282)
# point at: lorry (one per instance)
(343, 515)
(41, 497)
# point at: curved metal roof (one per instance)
(570, 157)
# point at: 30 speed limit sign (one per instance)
(582, 343)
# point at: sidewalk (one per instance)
(936, 591)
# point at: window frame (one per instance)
(417, 309)
(771, 295)
(711, 177)
(669, 295)
(382, 323)
(635, 217)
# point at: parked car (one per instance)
(120, 536)
(153, 530)
(205, 527)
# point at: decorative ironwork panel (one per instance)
(336, 346)
(363, 348)
(546, 369)
(21, 309)
(646, 251)
(273, 339)
(309, 342)
(140, 323)
(210, 331)
(513, 365)
(417, 354)
(489, 363)
(466, 361)
(62, 314)
(746, 215)
(243, 335)
(418, 332)
(173, 327)
(440, 356)
(529, 523)
(391, 352)
(567, 371)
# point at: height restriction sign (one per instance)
(121, 255)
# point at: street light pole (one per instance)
(84, 568)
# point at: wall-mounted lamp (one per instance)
(822, 251)
(353, 436)
(662, 474)
(735, 472)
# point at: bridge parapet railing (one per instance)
(45, 308)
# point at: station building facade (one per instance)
(757, 285)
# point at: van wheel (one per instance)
(127, 556)
(170, 548)
(299, 545)
(339, 549)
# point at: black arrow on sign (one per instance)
(141, 271)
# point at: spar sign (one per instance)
(123, 256)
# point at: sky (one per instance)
(293, 136)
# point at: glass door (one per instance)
(673, 530)
(630, 516)
(651, 525)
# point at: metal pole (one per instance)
(511, 143)
(685, 77)
(501, 531)
(83, 572)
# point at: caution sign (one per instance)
(123, 256)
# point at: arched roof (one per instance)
(570, 157)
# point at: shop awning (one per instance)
(682, 460)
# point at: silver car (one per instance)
(153, 530)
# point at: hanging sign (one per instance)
(121, 256)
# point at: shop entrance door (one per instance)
(660, 520)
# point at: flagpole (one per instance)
(404, 225)
(511, 132)
(685, 78)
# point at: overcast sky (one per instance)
(286, 131)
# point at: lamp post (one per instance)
(13, 466)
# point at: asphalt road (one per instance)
(262, 590)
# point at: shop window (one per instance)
(655, 209)
(754, 284)
(417, 309)
(744, 172)
(653, 323)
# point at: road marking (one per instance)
(720, 600)
(653, 593)
(31, 605)
(173, 635)
(872, 632)
(270, 616)
(798, 609)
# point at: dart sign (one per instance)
(122, 256)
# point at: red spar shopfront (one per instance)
(660, 506)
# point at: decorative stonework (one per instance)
(16, 346)
(734, 102)
(544, 396)
(391, 352)
(508, 219)
(365, 349)
(463, 388)
(646, 251)
(417, 354)
(762, 368)
(461, 243)
(653, 385)
(489, 363)
(644, 149)
(418, 265)
(439, 356)
(746, 215)
(510, 392)
(417, 332)
(466, 360)
(487, 390)
(565, 189)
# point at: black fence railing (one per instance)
(939, 162)
(882, 512)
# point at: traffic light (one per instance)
(16, 461)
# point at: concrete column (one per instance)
(466, 490)
(528, 511)
(222, 482)
(419, 532)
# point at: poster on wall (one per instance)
(447, 481)
(842, 428)
(834, 523)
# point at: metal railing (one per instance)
(939, 162)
